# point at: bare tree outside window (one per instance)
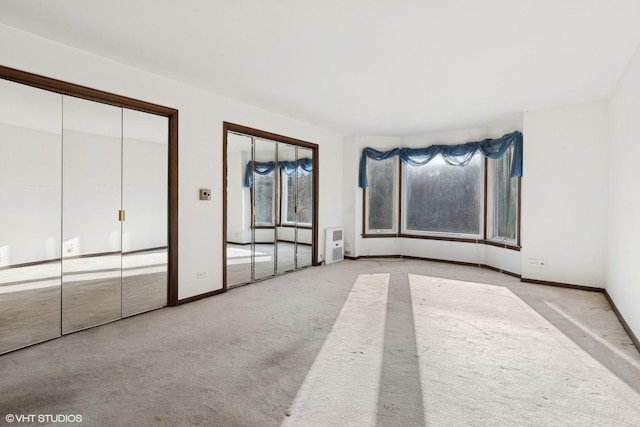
(440, 198)
(506, 198)
(381, 199)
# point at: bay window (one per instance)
(465, 192)
(442, 199)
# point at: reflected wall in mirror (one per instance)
(144, 201)
(239, 236)
(91, 230)
(30, 176)
(272, 229)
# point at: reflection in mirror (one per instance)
(144, 200)
(30, 175)
(286, 227)
(91, 243)
(304, 207)
(269, 206)
(263, 194)
(239, 249)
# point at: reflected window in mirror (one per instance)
(264, 194)
(304, 199)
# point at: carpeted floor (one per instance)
(364, 343)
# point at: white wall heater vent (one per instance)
(334, 245)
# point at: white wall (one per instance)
(623, 275)
(563, 194)
(200, 139)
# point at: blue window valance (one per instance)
(265, 168)
(455, 155)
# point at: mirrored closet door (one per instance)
(144, 204)
(270, 207)
(84, 222)
(91, 230)
(31, 213)
(304, 208)
(264, 197)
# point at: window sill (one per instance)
(495, 243)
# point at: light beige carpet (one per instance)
(356, 343)
(487, 358)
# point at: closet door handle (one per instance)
(121, 215)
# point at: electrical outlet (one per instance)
(202, 274)
(538, 263)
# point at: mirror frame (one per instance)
(90, 94)
(232, 127)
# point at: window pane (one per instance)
(381, 194)
(291, 198)
(263, 187)
(305, 197)
(506, 198)
(443, 198)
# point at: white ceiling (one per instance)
(383, 67)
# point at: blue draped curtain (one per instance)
(455, 155)
(265, 168)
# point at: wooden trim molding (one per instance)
(172, 291)
(502, 245)
(485, 198)
(623, 322)
(445, 261)
(225, 132)
(201, 296)
(232, 127)
(78, 91)
(446, 239)
(561, 285)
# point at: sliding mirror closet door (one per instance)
(286, 218)
(264, 195)
(30, 177)
(91, 229)
(270, 193)
(304, 207)
(144, 203)
(239, 180)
